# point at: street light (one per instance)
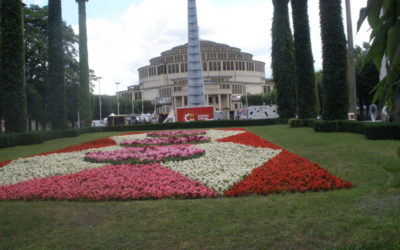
(99, 78)
(247, 102)
(141, 97)
(117, 83)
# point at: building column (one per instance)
(183, 101)
(207, 100)
(219, 102)
(228, 101)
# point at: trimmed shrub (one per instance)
(382, 131)
(352, 126)
(14, 139)
(326, 126)
(298, 123)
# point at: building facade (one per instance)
(229, 74)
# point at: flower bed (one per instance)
(157, 141)
(133, 155)
(233, 162)
(176, 133)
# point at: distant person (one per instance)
(372, 111)
(385, 113)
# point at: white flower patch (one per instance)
(44, 166)
(119, 138)
(219, 134)
(224, 164)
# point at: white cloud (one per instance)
(117, 48)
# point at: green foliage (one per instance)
(56, 88)
(36, 58)
(366, 77)
(84, 91)
(269, 98)
(335, 87)
(283, 62)
(383, 18)
(12, 73)
(305, 79)
(253, 100)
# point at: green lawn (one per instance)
(367, 214)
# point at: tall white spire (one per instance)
(195, 70)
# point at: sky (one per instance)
(123, 35)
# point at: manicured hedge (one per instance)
(372, 130)
(298, 123)
(27, 138)
(352, 126)
(16, 139)
(327, 126)
(382, 131)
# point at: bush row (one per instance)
(17, 139)
(298, 123)
(372, 130)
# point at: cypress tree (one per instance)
(84, 97)
(12, 66)
(335, 95)
(283, 62)
(305, 78)
(56, 88)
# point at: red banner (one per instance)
(187, 114)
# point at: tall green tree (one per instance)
(383, 17)
(305, 79)
(56, 88)
(12, 72)
(36, 51)
(283, 62)
(36, 62)
(334, 55)
(84, 97)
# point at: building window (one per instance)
(205, 66)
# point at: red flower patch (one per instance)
(3, 163)
(249, 139)
(105, 142)
(287, 172)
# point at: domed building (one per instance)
(228, 75)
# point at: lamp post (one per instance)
(133, 105)
(99, 78)
(141, 97)
(117, 83)
(247, 102)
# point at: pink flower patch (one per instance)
(121, 182)
(133, 155)
(155, 141)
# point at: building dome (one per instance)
(215, 57)
(229, 74)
